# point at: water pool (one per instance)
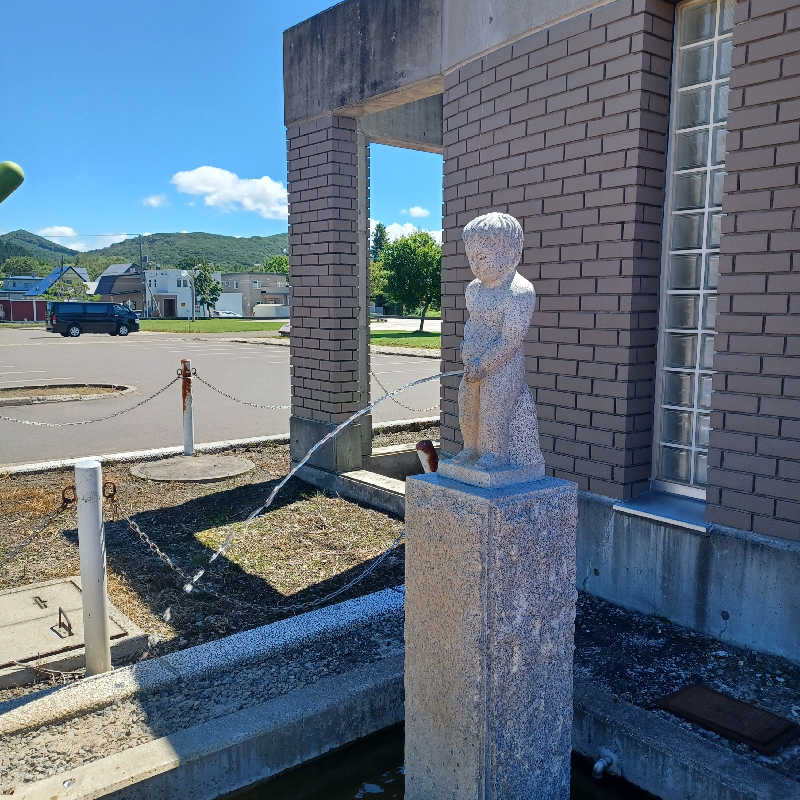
(371, 769)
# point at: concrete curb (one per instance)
(409, 352)
(39, 399)
(74, 699)
(229, 753)
(207, 447)
(142, 455)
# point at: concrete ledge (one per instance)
(122, 389)
(144, 455)
(84, 696)
(231, 752)
(395, 461)
(658, 755)
(370, 488)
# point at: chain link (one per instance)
(40, 424)
(67, 499)
(403, 405)
(143, 537)
(238, 400)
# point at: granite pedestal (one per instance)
(489, 631)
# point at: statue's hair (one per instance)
(484, 230)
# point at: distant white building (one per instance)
(168, 294)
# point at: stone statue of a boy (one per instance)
(496, 411)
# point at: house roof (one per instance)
(105, 283)
(45, 283)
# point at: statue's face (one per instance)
(491, 265)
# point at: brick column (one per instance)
(567, 130)
(754, 457)
(323, 253)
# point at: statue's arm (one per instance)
(503, 348)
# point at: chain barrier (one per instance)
(109, 493)
(403, 405)
(68, 497)
(236, 399)
(40, 424)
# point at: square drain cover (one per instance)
(42, 625)
(762, 730)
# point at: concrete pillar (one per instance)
(326, 373)
(489, 639)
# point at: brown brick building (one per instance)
(650, 150)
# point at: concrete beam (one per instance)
(473, 27)
(362, 56)
(416, 125)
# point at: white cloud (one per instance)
(397, 229)
(57, 231)
(155, 200)
(418, 212)
(228, 192)
(69, 237)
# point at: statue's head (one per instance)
(494, 246)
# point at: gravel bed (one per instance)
(68, 744)
(641, 659)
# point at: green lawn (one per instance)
(216, 325)
(432, 341)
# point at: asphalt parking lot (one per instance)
(252, 371)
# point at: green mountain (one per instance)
(231, 253)
(25, 243)
(239, 254)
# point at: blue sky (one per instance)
(155, 116)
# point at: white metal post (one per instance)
(186, 399)
(92, 543)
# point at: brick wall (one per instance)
(566, 130)
(754, 458)
(322, 246)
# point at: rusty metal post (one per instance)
(186, 400)
(92, 545)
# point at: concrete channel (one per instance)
(238, 739)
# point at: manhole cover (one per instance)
(193, 469)
(762, 730)
(52, 392)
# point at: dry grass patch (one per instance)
(306, 547)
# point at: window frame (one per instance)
(658, 483)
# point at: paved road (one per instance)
(255, 372)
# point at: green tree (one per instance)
(278, 264)
(413, 266)
(379, 241)
(25, 265)
(62, 290)
(377, 279)
(207, 288)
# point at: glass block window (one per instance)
(701, 69)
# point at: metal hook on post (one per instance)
(186, 373)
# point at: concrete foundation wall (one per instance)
(740, 588)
